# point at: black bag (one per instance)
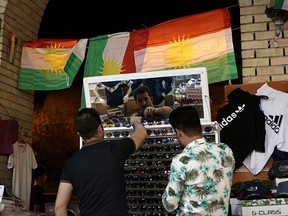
(278, 170)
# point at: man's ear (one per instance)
(100, 129)
(179, 133)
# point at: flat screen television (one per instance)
(112, 95)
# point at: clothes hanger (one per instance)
(23, 137)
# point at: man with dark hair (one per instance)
(96, 172)
(144, 100)
(40, 176)
(201, 175)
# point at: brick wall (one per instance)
(261, 61)
(22, 17)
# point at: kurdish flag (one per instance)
(279, 4)
(50, 64)
(200, 40)
(110, 54)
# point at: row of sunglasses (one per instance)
(152, 155)
(147, 205)
(144, 193)
(151, 178)
(145, 185)
(155, 140)
(150, 132)
(149, 121)
(144, 200)
(116, 122)
(163, 213)
(145, 170)
(125, 121)
(165, 131)
(143, 205)
(144, 163)
(159, 148)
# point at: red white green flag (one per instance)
(110, 54)
(200, 40)
(50, 64)
(279, 4)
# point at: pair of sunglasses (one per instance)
(116, 134)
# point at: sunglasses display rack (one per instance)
(147, 170)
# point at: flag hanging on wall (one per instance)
(50, 64)
(279, 4)
(109, 54)
(199, 40)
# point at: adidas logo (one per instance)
(231, 117)
(240, 109)
(274, 122)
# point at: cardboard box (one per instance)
(273, 206)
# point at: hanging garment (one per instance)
(116, 91)
(8, 135)
(242, 124)
(22, 160)
(275, 109)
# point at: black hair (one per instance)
(87, 122)
(39, 171)
(141, 90)
(186, 119)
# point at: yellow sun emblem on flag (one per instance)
(180, 53)
(56, 58)
(111, 66)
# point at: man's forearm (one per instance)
(164, 110)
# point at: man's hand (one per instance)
(163, 110)
(135, 120)
(149, 111)
(140, 132)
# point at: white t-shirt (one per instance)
(275, 109)
(22, 160)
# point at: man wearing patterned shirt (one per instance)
(201, 175)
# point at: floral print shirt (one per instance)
(200, 180)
